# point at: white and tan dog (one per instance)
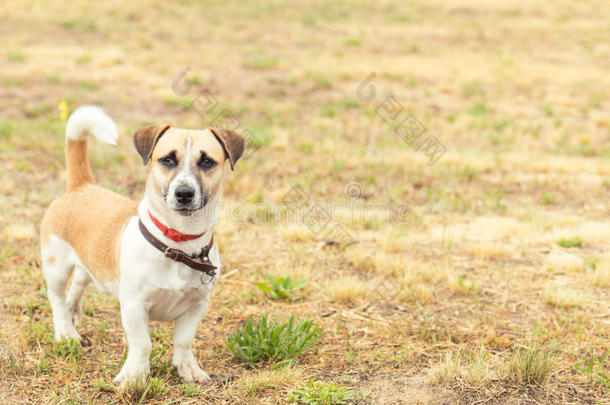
(95, 233)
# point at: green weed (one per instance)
(261, 63)
(593, 369)
(570, 242)
(273, 341)
(191, 390)
(546, 198)
(68, 349)
(281, 287)
(319, 393)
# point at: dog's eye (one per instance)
(206, 163)
(169, 161)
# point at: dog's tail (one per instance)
(84, 121)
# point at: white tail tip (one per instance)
(91, 120)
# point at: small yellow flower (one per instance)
(63, 110)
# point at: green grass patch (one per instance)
(281, 287)
(570, 242)
(319, 393)
(546, 198)
(194, 80)
(182, 102)
(353, 41)
(261, 63)
(593, 370)
(160, 365)
(336, 108)
(191, 390)
(478, 109)
(273, 341)
(261, 136)
(87, 85)
(68, 349)
(320, 80)
(15, 56)
(12, 81)
(83, 59)
(532, 365)
(6, 128)
(38, 333)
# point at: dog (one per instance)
(157, 256)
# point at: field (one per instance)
(460, 258)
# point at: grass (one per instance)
(9, 360)
(279, 288)
(546, 198)
(182, 102)
(532, 365)
(461, 284)
(563, 296)
(600, 274)
(142, 390)
(575, 241)
(68, 349)
(471, 370)
(594, 370)
(280, 378)
(319, 393)
(273, 341)
(261, 63)
(191, 390)
(15, 56)
(347, 290)
(353, 41)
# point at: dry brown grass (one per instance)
(517, 92)
(600, 275)
(347, 290)
(282, 379)
(472, 371)
(563, 296)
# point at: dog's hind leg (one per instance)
(75, 294)
(57, 266)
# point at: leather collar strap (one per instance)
(200, 263)
(172, 233)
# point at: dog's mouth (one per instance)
(186, 212)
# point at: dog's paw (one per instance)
(193, 374)
(129, 375)
(189, 371)
(69, 333)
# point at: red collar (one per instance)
(172, 233)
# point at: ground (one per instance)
(428, 269)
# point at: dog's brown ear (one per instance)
(146, 138)
(233, 144)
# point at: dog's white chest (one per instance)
(167, 287)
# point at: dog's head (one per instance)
(186, 166)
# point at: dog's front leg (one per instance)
(134, 316)
(184, 333)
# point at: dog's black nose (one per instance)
(185, 194)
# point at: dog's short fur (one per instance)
(94, 232)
